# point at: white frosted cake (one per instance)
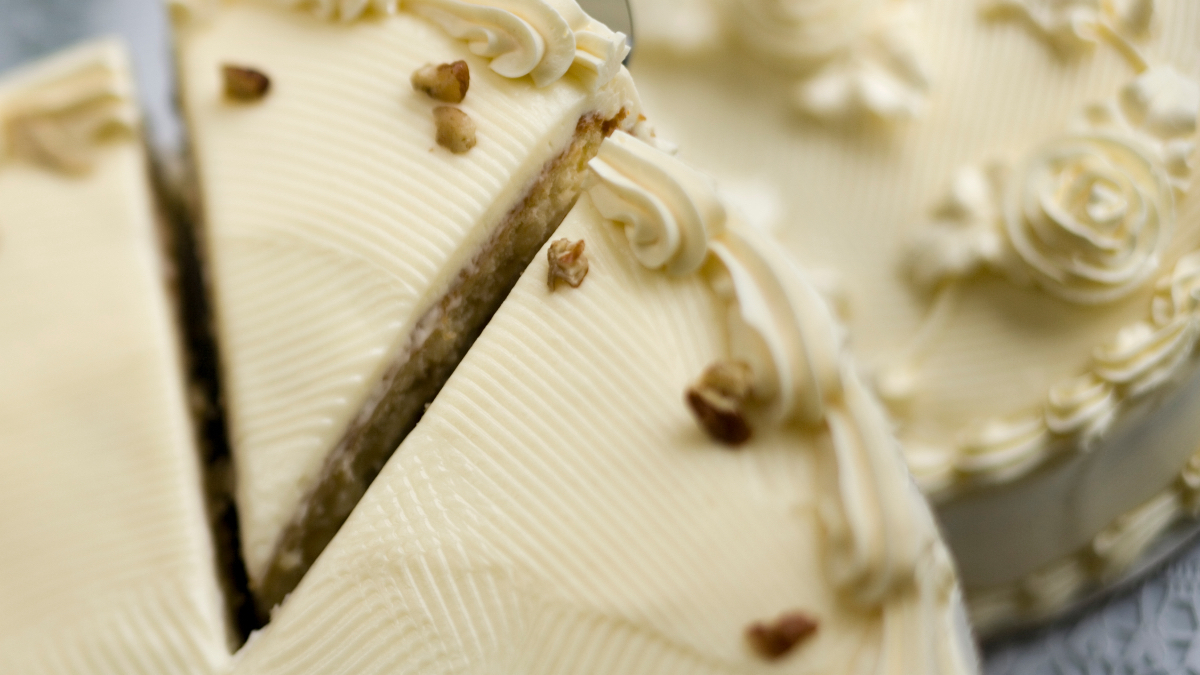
(106, 560)
(1001, 194)
(558, 509)
(372, 180)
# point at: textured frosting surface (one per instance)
(106, 561)
(334, 222)
(1091, 148)
(559, 510)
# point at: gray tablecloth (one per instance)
(1148, 630)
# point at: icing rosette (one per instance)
(670, 211)
(1090, 216)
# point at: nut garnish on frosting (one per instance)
(774, 640)
(446, 82)
(718, 400)
(567, 263)
(243, 83)
(455, 129)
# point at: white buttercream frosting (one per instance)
(106, 557)
(544, 39)
(668, 208)
(881, 547)
(587, 520)
(1072, 24)
(1087, 216)
(982, 349)
(853, 56)
(57, 121)
(1090, 216)
(334, 223)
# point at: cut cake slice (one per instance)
(559, 510)
(362, 219)
(106, 558)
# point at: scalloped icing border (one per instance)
(1040, 594)
(1143, 357)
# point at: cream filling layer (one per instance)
(334, 222)
(106, 559)
(559, 510)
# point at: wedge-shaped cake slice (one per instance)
(106, 558)
(560, 510)
(374, 180)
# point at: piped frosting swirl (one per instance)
(670, 211)
(544, 39)
(883, 550)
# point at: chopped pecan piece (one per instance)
(718, 400)
(774, 640)
(447, 82)
(455, 129)
(567, 263)
(245, 84)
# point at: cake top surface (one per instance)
(104, 541)
(558, 507)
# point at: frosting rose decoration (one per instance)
(1090, 216)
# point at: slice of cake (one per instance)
(106, 560)
(373, 181)
(1004, 190)
(560, 510)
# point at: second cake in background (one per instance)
(1003, 193)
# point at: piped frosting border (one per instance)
(883, 550)
(544, 39)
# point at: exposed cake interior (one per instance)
(441, 339)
